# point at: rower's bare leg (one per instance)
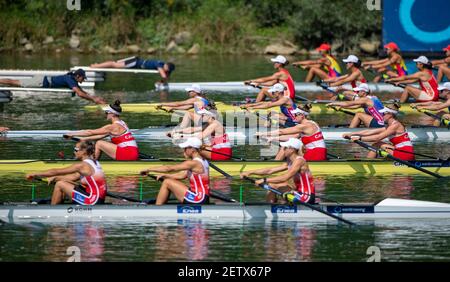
(361, 117)
(388, 148)
(443, 70)
(315, 71)
(282, 187)
(410, 91)
(109, 65)
(10, 82)
(187, 118)
(61, 188)
(262, 95)
(280, 155)
(107, 147)
(171, 186)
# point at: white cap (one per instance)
(299, 111)
(446, 86)
(388, 110)
(277, 88)
(279, 59)
(108, 109)
(195, 88)
(423, 60)
(351, 59)
(292, 143)
(362, 87)
(206, 112)
(191, 142)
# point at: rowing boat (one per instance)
(238, 86)
(236, 134)
(317, 108)
(331, 167)
(387, 209)
(91, 77)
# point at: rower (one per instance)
(220, 148)
(371, 117)
(123, 146)
(400, 144)
(309, 133)
(285, 103)
(281, 76)
(394, 60)
(438, 106)
(354, 76)
(195, 168)
(297, 170)
(91, 188)
(164, 69)
(443, 65)
(197, 101)
(70, 80)
(323, 68)
(428, 90)
(3, 129)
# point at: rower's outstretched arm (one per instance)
(381, 135)
(188, 102)
(342, 81)
(375, 62)
(295, 167)
(186, 165)
(75, 168)
(366, 132)
(102, 131)
(268, 105)
(266, 171)
(408, 79)
(351, 104)
(435, 106)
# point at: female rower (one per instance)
(195, 168)
(309, 133)
(285, 103)
(428, 90)
(438, 106)
(325, 67)
(220, 146)
(197, 101)
(281, 76)
(297, 170)
(400, 144)
(394, 60)
(92, 186)
(371, 117)
(443, 65)
(123, 146)
(354, 76)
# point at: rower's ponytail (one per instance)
(116, 106)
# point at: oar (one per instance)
(444, 121)
(325, 86)
(142, 156)
(401, 85)
(220, 170)
(291, 198)
(213, 194)
(112, 195)
(389, 156)
(342, 110)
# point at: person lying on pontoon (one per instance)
(3, 129)
(195, 168)
(91, 188)
(164, 69)
(70, 80)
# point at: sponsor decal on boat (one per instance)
(284, 209)
(189, 209)
(79, 209)
(350, 209)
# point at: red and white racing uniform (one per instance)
(92, 188)
(304, 182)
(314, 144)
(198, 192)
(127, 149)
(221, 144)
(403, 142)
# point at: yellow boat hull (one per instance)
(340, 167)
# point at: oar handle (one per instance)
(401, 85)
(76, 139)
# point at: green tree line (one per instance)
(217, 25)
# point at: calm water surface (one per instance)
(188, 240)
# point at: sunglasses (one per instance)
(75, 149)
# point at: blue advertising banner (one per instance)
(417, 25)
